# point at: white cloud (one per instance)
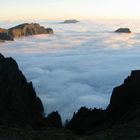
(79, 65)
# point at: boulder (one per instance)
(19, 103)
(27, 29)
(123, 30)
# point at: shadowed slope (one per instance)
(18, 100)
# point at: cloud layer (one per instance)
(79, 65)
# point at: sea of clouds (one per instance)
(79, 65)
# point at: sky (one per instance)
(66, 9)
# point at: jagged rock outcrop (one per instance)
(124, 108)
(69, 21)
(123, 30)
(19, 103)
(5, 36)
(86, 119)
(54, 120)
(27, 29)
(125, 99)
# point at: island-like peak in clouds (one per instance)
(25, 29)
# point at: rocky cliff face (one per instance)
(124, 108)
(20, 105)
(125, 99)
(18, 101)
(28, 29)
(25, 29)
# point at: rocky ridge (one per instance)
(18, 100)
(25, 29)
(20, 106)
(122, 112)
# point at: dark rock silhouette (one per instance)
(85, 120)
(124, 108)
(69, 21)
(4, 35)
(125, 99)
(19, 106)
(123, 30)
(54, 120)
(18, 101)
(27, 29)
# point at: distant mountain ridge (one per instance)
(69, 21)
(25, 29)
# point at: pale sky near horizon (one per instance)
(66, 9)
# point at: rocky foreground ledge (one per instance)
(22, 114)
(25, 29)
